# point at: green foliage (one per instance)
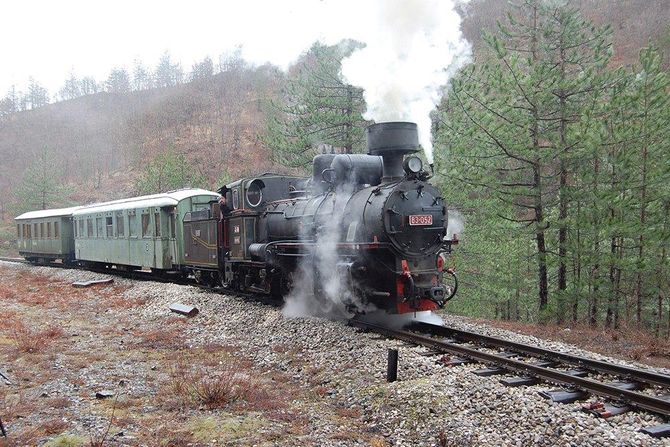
(167, 172)
(560, 167)
(316, 107)
(41, 186)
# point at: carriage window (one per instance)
(132, 225)
(35, 232)
(236, 198)
(146, 227)
(41, 229)
(110, 226)
(18, 231)
(56, 230)
(26, 231)
(157, 220)
(120, 230)
(98, 227)
(48, 229)
(81, 228)
(173, 229)
(89, 227)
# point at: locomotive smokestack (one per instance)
(392, 141)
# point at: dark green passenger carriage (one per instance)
(46, 235)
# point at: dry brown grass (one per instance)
(378, 441)
(59, 402)
(626, 343)
(166, 338)
(53, 426)
(31, 289)
(30, 340)
(214, 384)
(7, 293)
(212, 389)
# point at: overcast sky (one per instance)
(49, 39)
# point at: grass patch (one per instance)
(66, 440)
(225, 428)
(30, 340)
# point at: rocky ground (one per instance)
(239, 373)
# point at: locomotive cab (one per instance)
(248, 199)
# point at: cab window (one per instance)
(236, 198)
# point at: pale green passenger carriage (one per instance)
(140, 232)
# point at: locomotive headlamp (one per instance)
(412, 165)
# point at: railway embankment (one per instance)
(111, 362)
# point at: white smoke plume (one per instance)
(335, 297)
(412, 49)
(398, 321)
(455, 225)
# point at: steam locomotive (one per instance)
(372, 225)
(366, 230)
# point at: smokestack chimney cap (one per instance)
(396, 137)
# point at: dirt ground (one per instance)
(61, 346)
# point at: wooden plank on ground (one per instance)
(92, 282)
(183, 309)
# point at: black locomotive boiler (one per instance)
(383, 223)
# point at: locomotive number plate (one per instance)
(421, 219)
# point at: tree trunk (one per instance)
(563, 202)
(543, 291)
(643, 219)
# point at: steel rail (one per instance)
(639, 375)
(639, 400)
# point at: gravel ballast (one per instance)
(429, 405)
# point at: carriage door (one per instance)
(171, 214)
(162, 239)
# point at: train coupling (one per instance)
(437, 294)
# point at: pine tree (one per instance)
(316, 107)
(519, 116)
(42, 185)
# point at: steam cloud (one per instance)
(412, 49)
(319, 269)
(456, 224)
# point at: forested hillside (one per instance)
(559, 161)
(552, 146)
(211, 124)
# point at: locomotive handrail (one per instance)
(452, 272)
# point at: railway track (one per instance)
(622, 388)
